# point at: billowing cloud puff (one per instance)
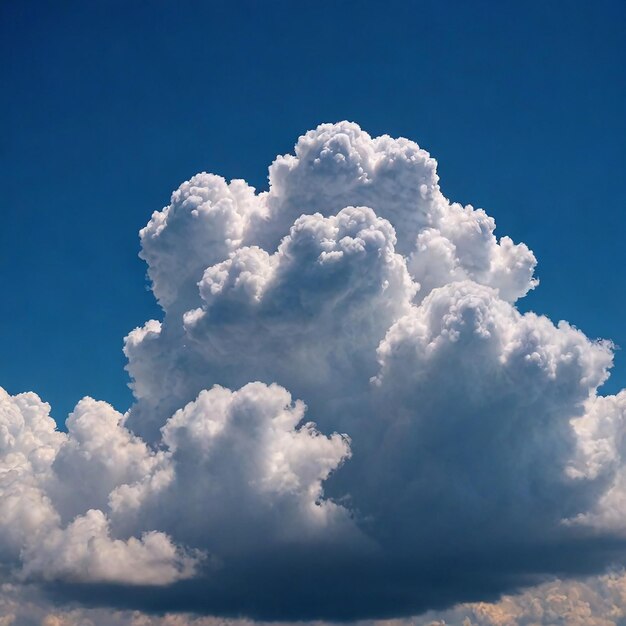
(211, 216)
(341, 414)
(240, 461)
(35, 543)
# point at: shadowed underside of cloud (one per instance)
(596, 601)
(341, 415)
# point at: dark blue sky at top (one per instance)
(107, 106)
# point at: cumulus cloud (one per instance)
(35, 543)
(341, 414)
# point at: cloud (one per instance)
(341, 414)
(35, 543)
(598, 601)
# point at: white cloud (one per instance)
(241, 463)
(34, 542)
(459, 449)
(85, 552)
(211, 217)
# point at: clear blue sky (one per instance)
(106, 106)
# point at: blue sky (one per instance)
(107, 106)
(456, 450)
